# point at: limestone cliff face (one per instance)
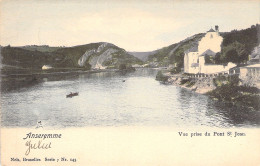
(96, 62)
(88, 53)
(96, 57)
(85, 56)
(102, 46)
(99, 57)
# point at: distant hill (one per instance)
(93, 55)
(42, 48)
(174, 54)
(143, 55)
(236, 47)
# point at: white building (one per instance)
(250, 75)
(250, 71)
(191, 61)
(209, 45)
(46, 67)
(211, 41)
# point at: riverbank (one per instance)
(199, 85)
(227, 89)
(13, 81)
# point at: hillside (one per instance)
(236, 47)
(174, 54)
(84, 57)
(143, 55)
(41, 48)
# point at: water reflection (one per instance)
(234, 115)
(105, 100)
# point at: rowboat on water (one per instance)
(72, 94)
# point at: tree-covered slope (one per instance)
(41, 48)
(98, 55)
(236, 47)
(20, 58)
(174, 53)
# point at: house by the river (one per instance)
(249, 74)
(209, 45)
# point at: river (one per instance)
(106, 100)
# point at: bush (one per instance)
(190, 84)
(175, 70)
(161, 77)
(122, 67)
(237, 95)
(222, 80)
(184, 81)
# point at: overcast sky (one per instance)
(135, 26)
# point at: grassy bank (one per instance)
(161, 77)
(242, 96)
(229, 90)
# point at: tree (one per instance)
(122, 66)
(234, 52)
(175, 70)
(87, 66)
(217, 58)
(232, 56)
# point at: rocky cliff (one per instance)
(97, 57)
(94, 55)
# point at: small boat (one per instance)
(72, 94)
(123, 81)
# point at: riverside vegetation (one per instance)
(227, 89)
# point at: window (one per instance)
(211, 36)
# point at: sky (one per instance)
(130, 24)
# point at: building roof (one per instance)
(211, 30)
(192, 49)
(208, 52)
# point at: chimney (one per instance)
(216, 28)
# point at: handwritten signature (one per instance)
(38, 145)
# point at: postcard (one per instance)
(130, 83)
